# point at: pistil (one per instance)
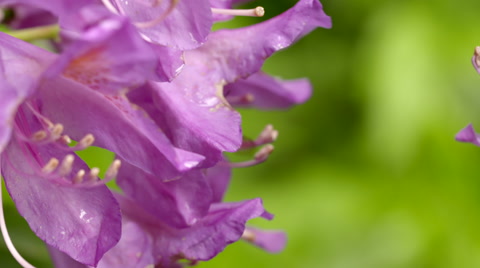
(254, 12)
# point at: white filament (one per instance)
(109, 6)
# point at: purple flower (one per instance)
(207, 124)
(147, 238)
(45, 97)
(177, 24)
(110, 88)
(148, 241)
(469, 135)
(31, 146)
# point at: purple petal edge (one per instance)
(469, 135)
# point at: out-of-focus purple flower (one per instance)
(469, 135)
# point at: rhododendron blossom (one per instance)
(149, 81)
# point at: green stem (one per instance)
(31, 34)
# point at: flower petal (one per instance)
(61, 260)
(238, 53)
(178, 203)
(82, 222)
(117, 126)
(469, 135)
(193, 115)
(21, 65)
(185, 26)
(133, 251)
(170, 63)
(224, 224)
(268, 92)
(58, 7)
(218, 178)
(27, 16)
(213, 233)
(271, 241)
(105, 52)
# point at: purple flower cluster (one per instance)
(148, 81)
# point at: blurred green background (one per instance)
(366, 174)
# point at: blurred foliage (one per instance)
(367, 173)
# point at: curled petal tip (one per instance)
(467, 134)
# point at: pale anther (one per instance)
(85, 142)
(248, 236)
(51, 165)
(57, 130)
(254, 12)
(66, 165)
(79, 176)
(268, 135)
(264, 153)
(66, 139)
(112, 171)
(39, 135)
(261, 156)
(93, 174)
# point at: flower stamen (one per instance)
(93, 174)
(84, 143)
(254, 12)
(39, 135)
(112, 171)
(268, 135)
(50, 166)
(65, 139)
(66, 165)
(79, 176)
(56, 131)
(260, 157)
